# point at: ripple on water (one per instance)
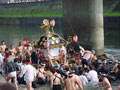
(112, 52)
(92, 87)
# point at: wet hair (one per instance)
(6, 49)
(16, 60)
(20, 43)
(67, 69)
(53, 70)
(2, 41)
(7, 86)
(86, 70)
(80, 72)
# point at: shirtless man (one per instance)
(106, 84)
(78, 59)
(42, 70)
(48, 74)
(115, 68)
(88, 56)
(12, 49)
(41, 74)
(19, 48)
(2, 46)
(55, 80)
(71, 81)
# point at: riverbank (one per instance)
(50, 8)
(32, 9)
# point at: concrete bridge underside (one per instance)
(85, 18)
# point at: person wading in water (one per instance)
(55, 81)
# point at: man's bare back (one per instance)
(71, 82)
(41, 73)
(48, 74)
(107, 84)
(55, 80)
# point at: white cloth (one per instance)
(29, 73)
(64, 49)
(53, 52)
(1, 59)
(12, 74)
(45, 52)
(1, 62)
(92, 76)
(83, 79)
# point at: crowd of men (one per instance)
(21, 66)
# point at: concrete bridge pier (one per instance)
(85, 18)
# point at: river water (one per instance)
(15, 34)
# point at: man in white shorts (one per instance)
(29, 73)
(10, 72)
(1, 61)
